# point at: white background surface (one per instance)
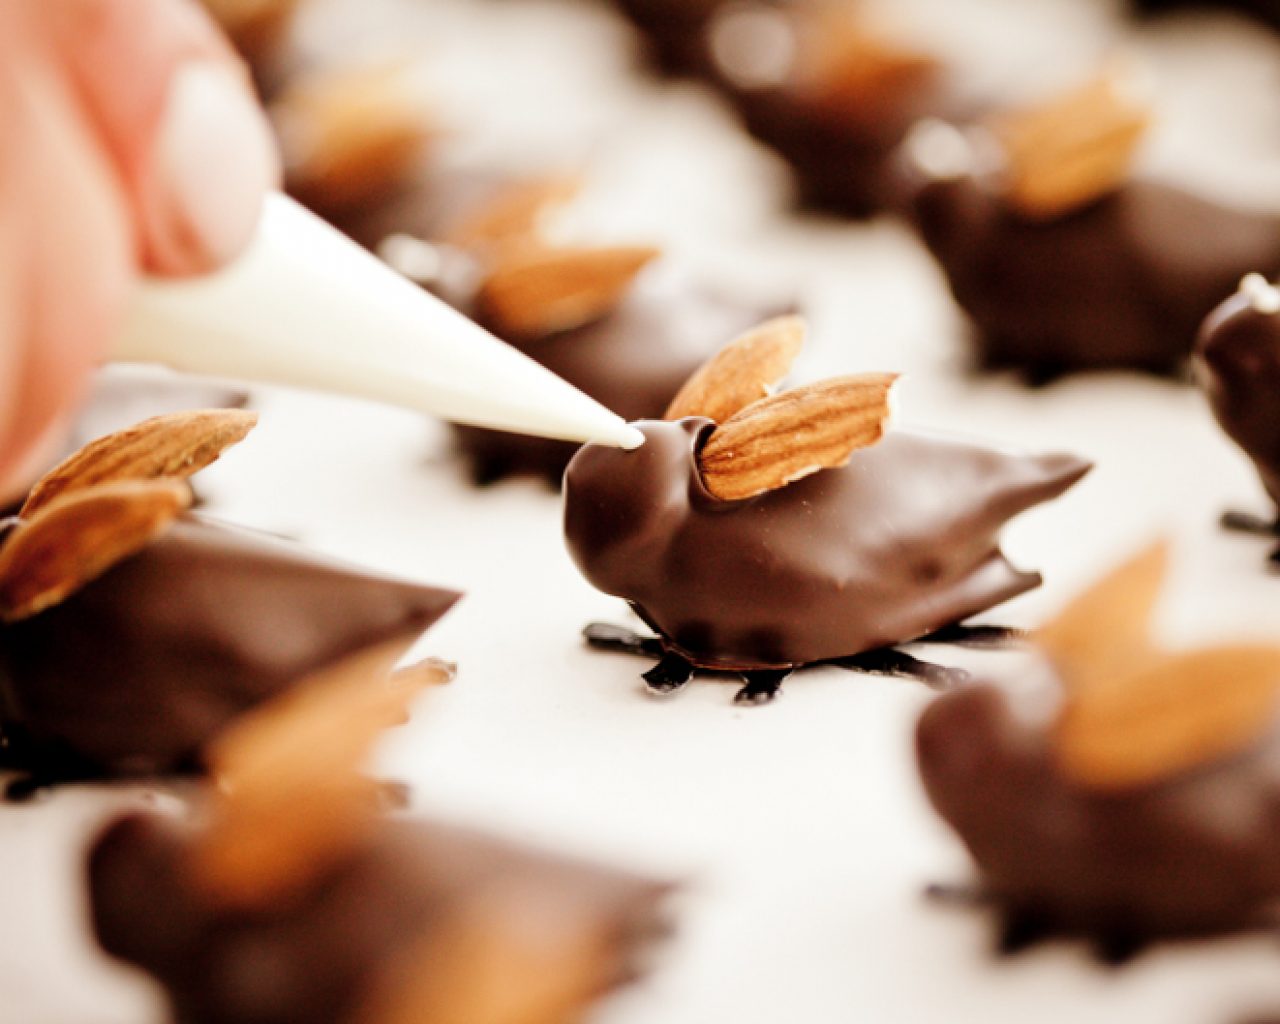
(799, 827)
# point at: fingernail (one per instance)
(214, 158)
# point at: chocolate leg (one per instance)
(671, 673)
(983, 637)
(1247, 522)
(1020, 930)
(605, 637)
(762, 687)
(888, 661)
(488, 470)
(1118, 948)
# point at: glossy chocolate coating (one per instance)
(319, 955)
(137, 670)
(633, 360)
(1193, 854)
(896, 544)
(1122, 283)
(1238, 359)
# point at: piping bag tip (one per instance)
(307, 307)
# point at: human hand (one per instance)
(129, 142)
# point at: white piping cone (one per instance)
(307, 307)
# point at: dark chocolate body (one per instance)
(1238, 357)
(1122, 283)
(632, 360)
(137, 670)
(1194, 854)
(318, 956)
(896, 544)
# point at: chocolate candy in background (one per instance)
(1122, 283)
(898, 543)
(632, 359)
(1238, 365)
(134, 672)
(832, 98)
(1193, 854)
(323, 954)
(440, 198)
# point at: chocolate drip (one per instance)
(1192, 854)
(319, 956)
(897, 544)
(135, 671)
(1238, 358)
(1121, 283)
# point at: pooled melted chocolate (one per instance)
(632, 360)
(1193, 854)
(318, 956)
(133, 673)
(1238, 356)
(1122, 283)
(898, 543)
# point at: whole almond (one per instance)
(1175, 715)
(482, 964)
(1104, 635)
(74, 540)
(857, 71)
(292, 796)
(514, 213)
(1074, 149)
(538, 292)
(783, 438)
(744, 371)
(176, 445)
(352, 135)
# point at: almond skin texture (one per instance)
(1173, 716)
(175, 446)
(1073, 150)
(292, 798)
(786, 437)
(76, 539)
(744, 371)
(538, 292)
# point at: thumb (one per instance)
(176, 115)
